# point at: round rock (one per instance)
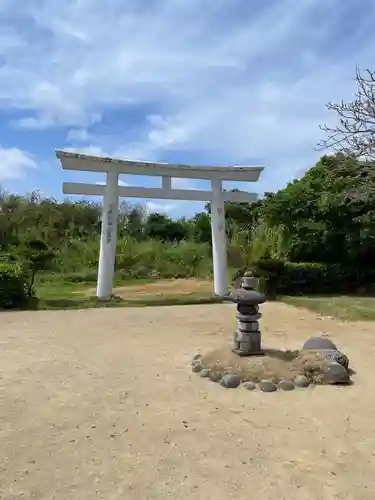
(215, 376)
(318, 343)
(230, 381)
(205, 373)
(250, 386)
(286, 385)
(335, 374)
(335, 356)
(301, 381)
(197, 368)
(267, 386)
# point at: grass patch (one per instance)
(59, 287)
(58, 294)
(347, 308)
(114, 301)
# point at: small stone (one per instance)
(301, 381)
(318, 343)
(215, 376)
(249, 386)
(335, 374)
(286, 385)
(197, 359)
(267, 386)
(197, 368)
(205, 373)
(230, 381)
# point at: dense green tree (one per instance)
(201, 227)
(161, 227)
(239, 215)
(134, 226)
(329, 213)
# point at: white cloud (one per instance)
(120, 183)
(78, 135)
(15, 163)
(230, 82)
(152, 206)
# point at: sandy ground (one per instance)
(102, 404)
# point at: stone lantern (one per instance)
(247, 338)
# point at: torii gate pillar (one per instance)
(219, 239)
(108, 237)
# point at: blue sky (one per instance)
(239, 82)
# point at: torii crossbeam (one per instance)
(111, 192)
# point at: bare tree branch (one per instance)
(355, 132)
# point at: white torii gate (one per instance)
(111, 192)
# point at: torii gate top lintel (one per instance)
(111, 192)
(77, 161)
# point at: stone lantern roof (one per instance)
(246, 294)
(246, 297)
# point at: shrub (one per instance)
(36, 256)
(168, 260)
(305, 278)
(311, 278)
(75, 255)
(13, 286)
(266, 267)
(238, 252)
(267, 242)
(270, 273)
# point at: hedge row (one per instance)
(305, 278)
(13, 286)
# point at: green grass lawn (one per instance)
(347, 308)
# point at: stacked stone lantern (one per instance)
(247, 338)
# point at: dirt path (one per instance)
(102, 404)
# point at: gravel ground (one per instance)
(102, 404)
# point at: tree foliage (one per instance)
(35, 255)
(329, 214)
(13, 286)
(201, 228)
(161, 227)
